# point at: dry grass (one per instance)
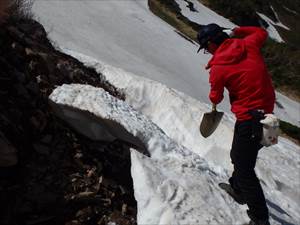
(170, 17)
(17, 9)
(21, 9)
(204, 2)
(282, 59)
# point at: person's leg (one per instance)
(243, 155)
(233, 154)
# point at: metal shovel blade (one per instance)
(210, 122)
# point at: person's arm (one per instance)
(216, 86)
(255, 35)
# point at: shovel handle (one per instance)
(214, 108)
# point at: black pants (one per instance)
(245, 147)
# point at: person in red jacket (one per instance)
(238, 66)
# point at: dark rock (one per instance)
(8, 152)
(17, 47)
(21, 91)
(26, 208)
(42, 149)
(47, 198)
(20, 77)
(47, 139)
(5, 81)
(49, 173)
(33, 88)
(39, 120)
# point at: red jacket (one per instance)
(238, 66)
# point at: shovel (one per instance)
(210, 121)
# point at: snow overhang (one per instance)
(90, 111)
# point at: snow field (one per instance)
(179, 116)
(178, 184)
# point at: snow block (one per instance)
(92, 112)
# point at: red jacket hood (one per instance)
(230, 51)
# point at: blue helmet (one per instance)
(208, 33)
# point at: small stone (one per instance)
(13, 45)
(122, 190)
(98, 185)
(78, 155)
(17, 47)
(84, 212)
(112, 195)
(124, 209)
(29, 51)
(102, 221)
(38, 79)
(111, 223)
(73, 222)
(91, 172)
(80, 213)
(85, 194)
(99, 165)
(106, 201)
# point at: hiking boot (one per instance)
(255, 221)
(235, 195)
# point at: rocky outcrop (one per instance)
(3, 7)
(7, 152)
(51, 174)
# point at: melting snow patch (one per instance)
(177, 185)
(279, 23)
(271, 28)
(181, 187)
(172, 192)
(290, 10)
(201, 14)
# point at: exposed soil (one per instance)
(57, 176)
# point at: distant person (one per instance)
(238, 66)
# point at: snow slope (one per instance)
(202, 14)
(178, 184)
(271, 28)
(127, 35)
(157, 179)
(175, 185)
(133, 39)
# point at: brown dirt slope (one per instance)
(50, 174)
